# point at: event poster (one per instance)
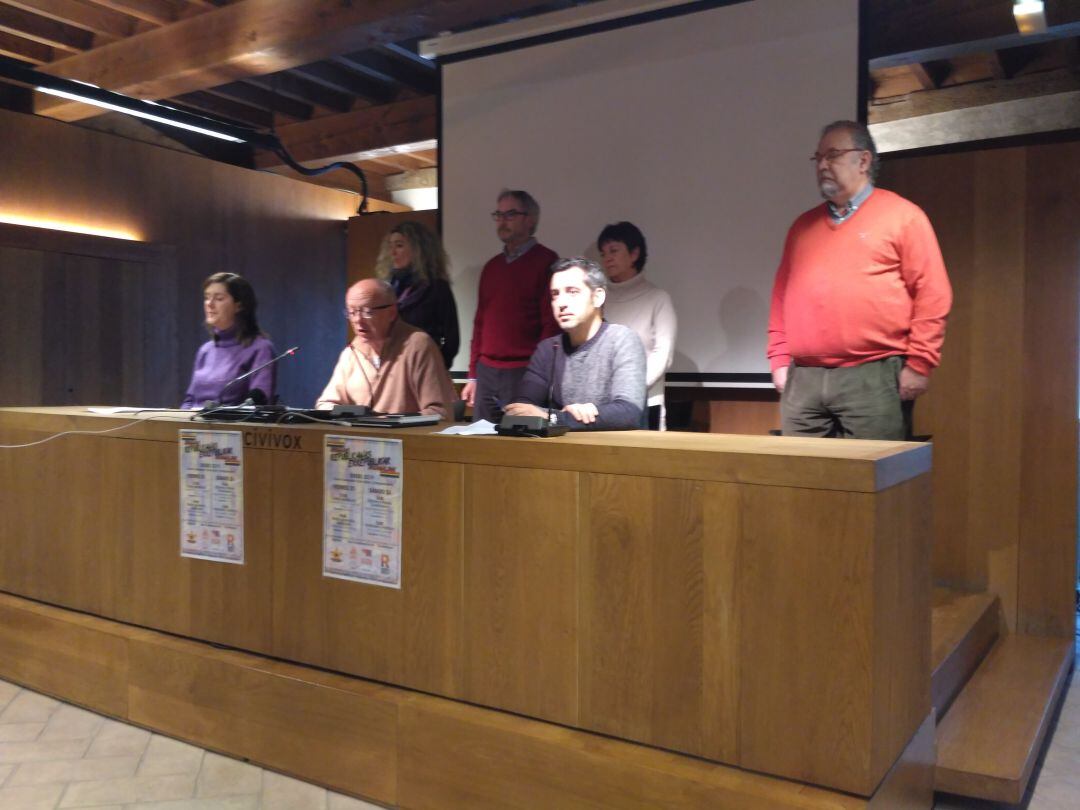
(212, 495)
(362, 510)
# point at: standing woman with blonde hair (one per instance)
(414, 263)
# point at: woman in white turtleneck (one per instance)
(634, 301)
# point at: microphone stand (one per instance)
(215, 405)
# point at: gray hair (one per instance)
(860, 139)
(595, 279)
(527, 202)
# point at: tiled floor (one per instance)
(53, 755)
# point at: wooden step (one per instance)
(963, 628)
(989, 740)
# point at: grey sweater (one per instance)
(607, 370)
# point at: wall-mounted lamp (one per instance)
(159, 113)
(1030, 16)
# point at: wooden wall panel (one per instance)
(93, 320)
(287, 237)
(944, 413)
(522, 653)
(23, 325)
(1002, 408)
(1048, 461)
(997, 318)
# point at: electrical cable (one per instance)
(140, 420)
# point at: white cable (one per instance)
(85, 432)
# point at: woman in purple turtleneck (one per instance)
(237, 345)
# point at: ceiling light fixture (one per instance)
(86, 93)
(1030, 16)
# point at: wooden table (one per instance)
(760, 602)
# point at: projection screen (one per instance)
(697, 128)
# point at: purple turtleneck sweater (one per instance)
(224, 358)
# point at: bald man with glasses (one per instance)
(513, 309)
(859, 303)
(388, 366)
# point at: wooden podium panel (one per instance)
(756, 601)
(644, 600)
(410, 637)
(520, 591)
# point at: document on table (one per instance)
(480, 428)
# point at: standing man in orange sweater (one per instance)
(859, 303)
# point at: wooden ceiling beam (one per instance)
(260, 97)
(107, 25)
(44, 30)
(976, 94)
(339, 77)
(296, 87)
(386, 68)
(391, 165)
(158, 12)
(923, 76)
(24, 49)
(252, 38)
(996, 66)
(234, 111)
(335, 137)
(425, 159)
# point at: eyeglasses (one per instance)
(513, 212)
(367, 313)
(831, 156)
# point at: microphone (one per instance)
(551, 385)
(539, 427)
(213, 404)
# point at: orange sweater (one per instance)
(871, 287)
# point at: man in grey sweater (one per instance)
(592, 376)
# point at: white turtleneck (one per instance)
(646, 309)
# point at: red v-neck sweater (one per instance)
(871, 287)
(513, 309)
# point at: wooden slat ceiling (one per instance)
(332, 77)
(338, 77)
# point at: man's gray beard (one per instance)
(828, 188)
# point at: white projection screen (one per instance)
(697, 128)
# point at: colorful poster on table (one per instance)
(212, 495)
(362, 510)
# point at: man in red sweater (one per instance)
(859, 303)
(513, 308)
